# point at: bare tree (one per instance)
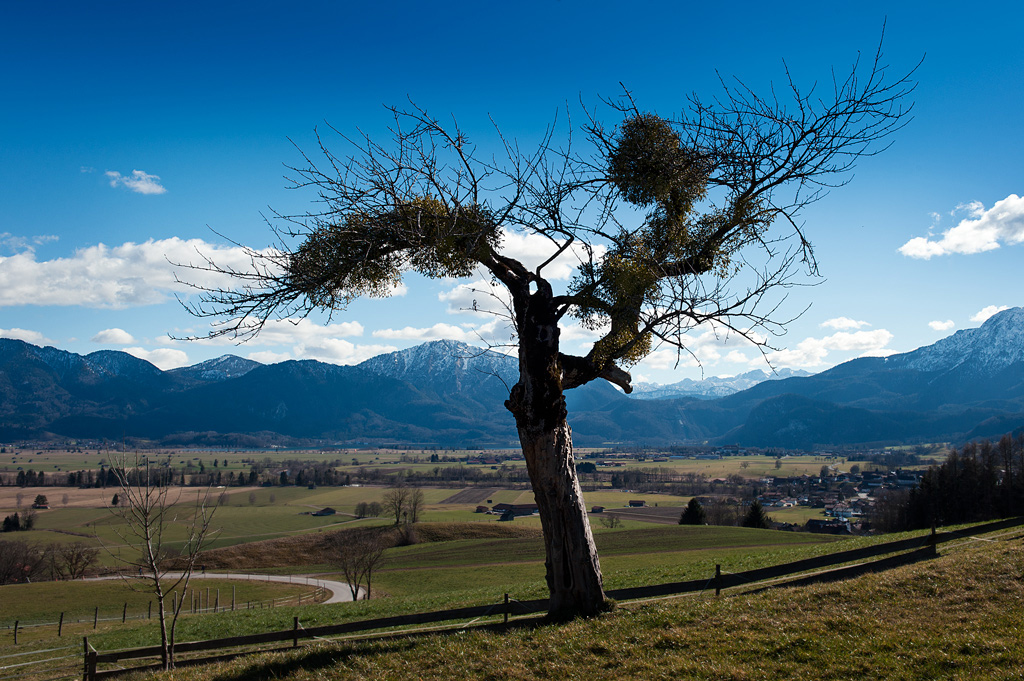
(357, 553)
(70, 560)
(147, 511)
(414, 505)
(672, 223)
(395, 502)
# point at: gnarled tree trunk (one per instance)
(537, 401)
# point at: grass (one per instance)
(958, 616)
(45, 601)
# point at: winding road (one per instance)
(340, 591)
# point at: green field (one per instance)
(78, 600)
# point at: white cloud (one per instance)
(117, 277)
(305, 339)
(164, 358)
(16, 244)
(982, 230)
(340, 351)
(984, 313)
(113, 337)
(268, 357)
(737, 357)
(533, 249)
(26, 335)
(666, 360)
(942, 326)
(811, 352)
(439, 331)
(843, 324)
(139, 182)
(473, 334)
(479, 298)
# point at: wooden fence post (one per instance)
(506, 608)
(15, 632)
(96, 617)
(124, 613)
(232, 598)
(933, 541)
(718, 580)
(60, 626)
(89, 663)
(295, 633)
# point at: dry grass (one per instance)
(956, 617)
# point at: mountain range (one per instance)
(968, 385)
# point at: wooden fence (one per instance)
(906, 551)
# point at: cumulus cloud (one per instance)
(843, 324)
(981, 230)
(340, 351)
(703, 349)
(986, 312)
(305, 339)
(532, 250)
(118, 277)
(737, 357)
(942, 326)
(26, 335)
(479, 298)
(811, 352)
(494, 330)
(163, 358)
(113, 337)
(139, 182)
(269, 357)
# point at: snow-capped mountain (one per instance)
(218, 369)
(970, 384)
(993, 347)
(710, 388)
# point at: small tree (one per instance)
(147, 512)
(414, 505)
(395, 502)
(115, 500)
(610, 521)
(756, 517)
(357, 553)
(252, 498)
(71, 560)
(41, 500)
(693, 514)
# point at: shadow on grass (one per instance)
(345, 650)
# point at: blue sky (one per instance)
(134, 134)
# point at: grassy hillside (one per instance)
(957, 616)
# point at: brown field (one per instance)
(92, 497)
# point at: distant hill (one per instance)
(970, 384)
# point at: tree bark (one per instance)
(573, 570)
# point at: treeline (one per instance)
(980, 481)
(21, 562)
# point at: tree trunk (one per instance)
(573, 570)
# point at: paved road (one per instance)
(340, 591)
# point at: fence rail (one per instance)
(899, 553)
